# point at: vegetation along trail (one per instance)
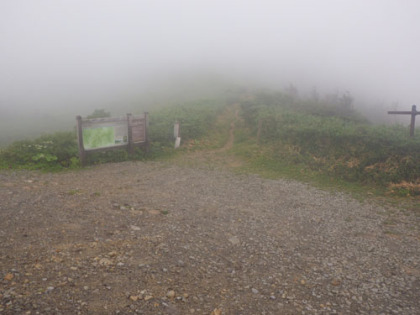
(185, 238)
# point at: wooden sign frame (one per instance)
(119, 132)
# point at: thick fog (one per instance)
(65, 57)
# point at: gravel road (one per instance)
(156, 238)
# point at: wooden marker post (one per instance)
(82, 153)
(177, 135)
(413, 114)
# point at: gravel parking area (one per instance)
(156, 238)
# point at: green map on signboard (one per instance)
(98, 137)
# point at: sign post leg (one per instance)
(82, 153)
(413, 120)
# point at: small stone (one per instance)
(170, 294)
(134, 298)
(148, 297)
(272, 297)
(50, 288)
(335, 282)
(8, 277)
(112, 254)
(105, 262)
(180, 263)
(135, 228)
(255, 291)
(234, 240)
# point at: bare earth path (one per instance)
(157, 238)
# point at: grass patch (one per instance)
(330, 146)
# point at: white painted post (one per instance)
(177, 135)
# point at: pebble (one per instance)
(105, 262)
(180, 263)
(234, 240)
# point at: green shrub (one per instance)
(340, 143)
(52, 151)
(196, 120)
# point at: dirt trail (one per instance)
(229, 143)
(215, 158)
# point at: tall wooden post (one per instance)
(146, 131)
(146, 126)
(82, 153)
(130, 135)
(413, 114)
(413, 119)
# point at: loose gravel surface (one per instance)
(156, 238)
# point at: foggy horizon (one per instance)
(64, 56)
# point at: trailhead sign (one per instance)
(104, 136)
(101, 134)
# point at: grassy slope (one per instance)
(272, 140)
(252, 153)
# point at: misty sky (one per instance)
(76, 52)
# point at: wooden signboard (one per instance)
(102, 134)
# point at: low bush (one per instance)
(53, 151)
(345, 146)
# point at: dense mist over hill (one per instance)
(63, 58)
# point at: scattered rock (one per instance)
(180, 263)
(135, 228)
(8, 276)
(105, 262)
(335, 282)
(234, 240)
